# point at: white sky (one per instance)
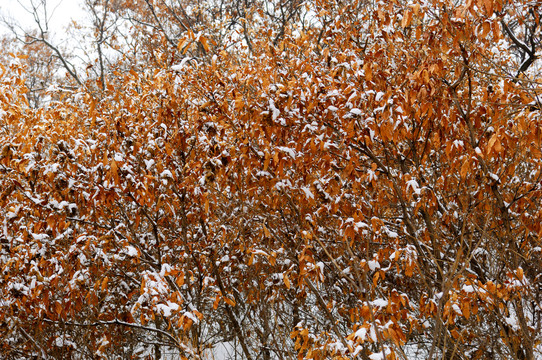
(59, 13)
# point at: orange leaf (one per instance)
(58, 308)
(491, 143)
(181, 44)
(203, 42)
(466, 309)
(180, 279)
(489, 6)
(464, 168)
(368, 71)
(229, 301)
(498, 146)
(416, 8)
(266, 232)
(485, 29)
(114, 171)
(198, 314)
(407, 19)
(187, 324)
(286, 281)
(104, 283)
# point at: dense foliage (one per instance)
(277, 180)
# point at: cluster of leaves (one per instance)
(333, 181)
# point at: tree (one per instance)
(340, 181)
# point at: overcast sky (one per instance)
(59, 13)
